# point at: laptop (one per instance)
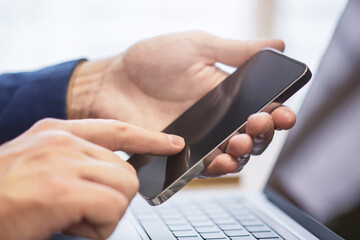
(313, 191)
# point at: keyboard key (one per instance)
(191, 210)
(190, 238)
(224, 221)
(218, 235)
(180, 227)
(171, 215)
(243, 238)
(216, 209)
(198, 218)
(251, 222)
(190, 233)
(196, 221)
(234, 226)
(167, 210)
(176, 221)
(157, 229)
(235, 233)
(262, 228)
(207, 229)
(265, 235)
(220, 215)
(148, 217)
(239, 210)
(206, 223)
(141, 212)
(241, 217)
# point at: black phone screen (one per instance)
(261, 80)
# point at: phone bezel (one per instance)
(197, 168)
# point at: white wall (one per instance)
(39, 32)
(35, 33)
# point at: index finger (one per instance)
(116, 135)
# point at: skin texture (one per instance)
(58, 174)
(156, 80)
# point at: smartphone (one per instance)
(262, 83)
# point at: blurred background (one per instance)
(37, 33)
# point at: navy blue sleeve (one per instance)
(30, 96)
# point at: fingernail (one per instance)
(260, 136)
(242, 161)
(259, 139)
(176, 140)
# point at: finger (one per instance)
(108, 174)
(239, 145)
(117, 135)
(237, 155)
(97, 152)
(260, 127)
(222, 164)
(283, 117)
(83, 204)
(83, 229)
(234, 52)
(84, 149)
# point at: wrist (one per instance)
(84, 85)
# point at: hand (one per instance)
(156, 80)
(58, 174)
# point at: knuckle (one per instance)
(57, 186)
(105, 231)
(120, 203)
(198, 33)
(122, 129)
(199, 36)
(48, 123)
(50, 189)
(132, 186)
(132, 169)
(58, 137)
(135, 184)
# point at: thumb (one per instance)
(234, 52)
(116, 135)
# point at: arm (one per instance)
(30, 96)
(156, 80)
(61, 176)
(135, 87)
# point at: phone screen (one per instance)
(261, 80)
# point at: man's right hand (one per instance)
(61, 176)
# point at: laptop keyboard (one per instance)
(212, 219)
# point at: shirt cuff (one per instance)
(40, 94)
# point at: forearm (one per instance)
(84, 84)
(30, 96)
(87, 83)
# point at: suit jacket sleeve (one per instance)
(30, 96)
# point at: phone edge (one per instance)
(184, 179)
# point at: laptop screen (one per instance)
(319, 169)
